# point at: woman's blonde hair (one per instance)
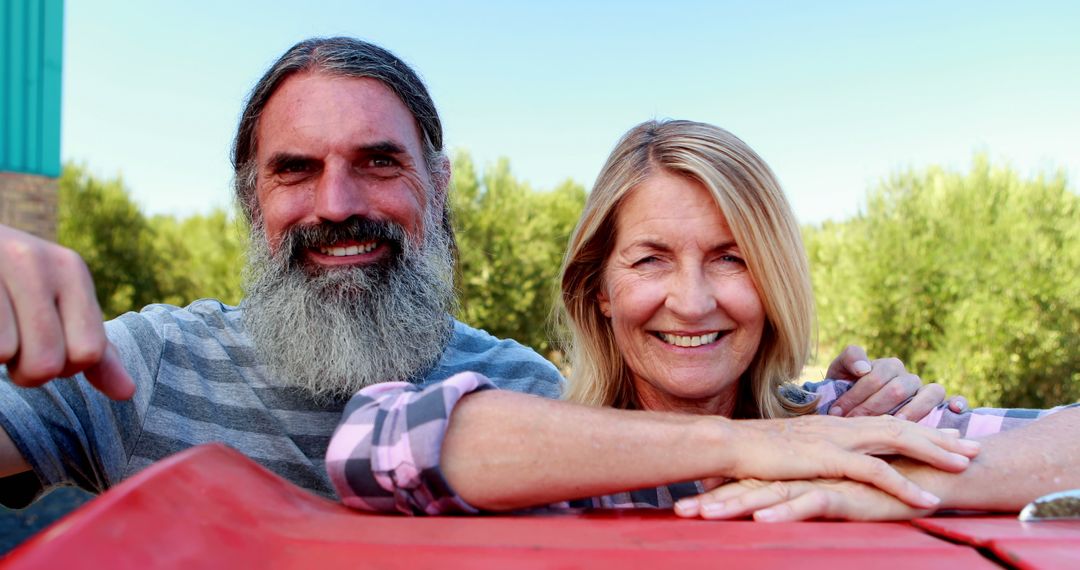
(761, 221)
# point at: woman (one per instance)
(688, 298)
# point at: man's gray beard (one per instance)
(334, 331)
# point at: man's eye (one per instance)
(293, 167)
(381, 162)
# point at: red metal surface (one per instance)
(212, 507)
(1027, 545)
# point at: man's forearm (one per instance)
(1012, 469)
(505, 450)
(11, 461)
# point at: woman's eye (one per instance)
(729, 258)
(645, 260)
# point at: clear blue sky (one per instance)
(834, 95)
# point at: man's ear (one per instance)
(441, 180)
(604, 302)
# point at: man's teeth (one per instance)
(679, 340)
(351, 250)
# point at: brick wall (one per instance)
(28, 203)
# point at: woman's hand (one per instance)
(785, 501)
(811, 447)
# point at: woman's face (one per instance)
(685, 313)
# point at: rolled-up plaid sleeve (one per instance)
(384, 455)
(981, 422)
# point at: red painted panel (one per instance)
(981, 531)
(1028, 545)
(1038, 556)
(212, 507)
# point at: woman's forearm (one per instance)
(505, 450)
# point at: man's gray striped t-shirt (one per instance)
(200, 380)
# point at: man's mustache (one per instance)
(298, 239)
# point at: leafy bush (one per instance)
(972, 279)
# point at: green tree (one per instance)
(511, 240)
(98, 219)
(200, 256)
(973, 279)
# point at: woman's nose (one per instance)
(691, 295)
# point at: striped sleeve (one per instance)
(71, 434)
(384, 455)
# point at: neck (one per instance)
(720, 405)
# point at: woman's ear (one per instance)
(604, 302)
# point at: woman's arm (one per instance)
(504, 450)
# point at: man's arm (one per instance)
(1012, 469)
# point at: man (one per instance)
(340, 169)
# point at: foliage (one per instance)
(972, 279)
(201, 256)
(98, 219)
(135, 261)
(511, 241)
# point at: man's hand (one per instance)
(884, 386)
(50, 322)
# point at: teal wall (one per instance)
(31, 54)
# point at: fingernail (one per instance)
(930, 499)
(687, 506)
(861, 367)
(765, 515)
(961, 459)
(836, 411)
(900, 416)
(970, 444)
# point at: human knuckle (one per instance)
(893, 362)
(17, 253)
(40, 368)
(69, 260)
(879, 469)
(898, 390)
(87, 352)
(782, 490)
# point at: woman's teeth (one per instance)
(678, 340)
(350, 250)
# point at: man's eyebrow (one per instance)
(381, 147)
(280, 159)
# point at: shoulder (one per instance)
(206, 321)
(509, 364)
(201, 314)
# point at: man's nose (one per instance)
(691, 295)
(340, 194)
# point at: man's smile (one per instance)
(340, 250)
